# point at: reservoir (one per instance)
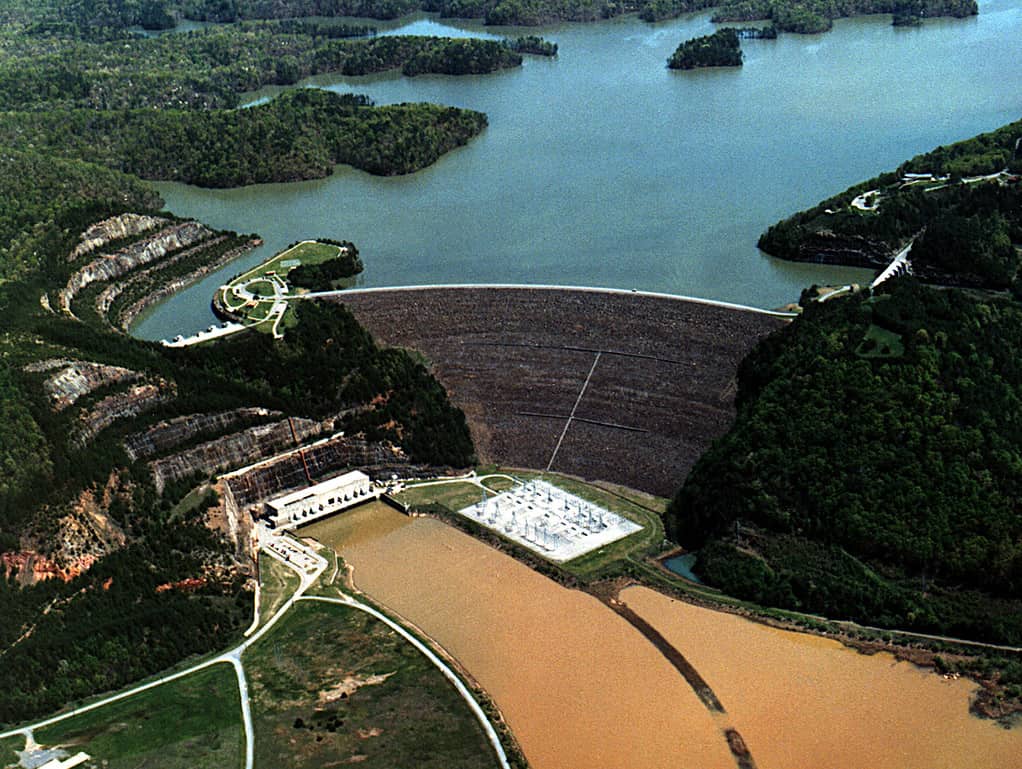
(601, 167)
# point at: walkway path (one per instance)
(540, 287)
(567, 424)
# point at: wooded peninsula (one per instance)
(799, 16)
(958, 206)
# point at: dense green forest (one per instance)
(875, 468)
(721, 49)
(99, 17)
(789, 15)
(325, 275)
(963, 224)
(301, 134)
(87, 109)
(43, 198)
(811, 16)
(212, 68)
(111, 625)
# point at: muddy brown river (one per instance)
(580, 687)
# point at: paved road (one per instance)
(541, 287)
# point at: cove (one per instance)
(603, 168)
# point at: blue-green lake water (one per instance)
(603, 168)
(682, 565)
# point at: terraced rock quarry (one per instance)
(171, 433)
(648, 381)
(108, 267)
(236, 449)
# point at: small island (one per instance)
(721, 49)
(532, 44)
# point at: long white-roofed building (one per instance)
(320, 500)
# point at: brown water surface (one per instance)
(804, 701)
(582, 688)
(578, 685)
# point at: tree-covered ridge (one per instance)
(96, 17)
(302, 134)
(875, 468)
(164, 587)
(721, 49)
(810, 16)
(45, 202)
(962, 203)
(211, 68)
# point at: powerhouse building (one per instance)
(319, 500)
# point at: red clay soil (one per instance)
(515, 360)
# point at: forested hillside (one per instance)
(98, 17)
(875, 468)
(963, 202)
(300, 135)
(44, 201)
(212, 68)
(131, 579)
(109, 576)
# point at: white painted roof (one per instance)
(319, 489)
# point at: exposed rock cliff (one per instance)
(164, 436)
(127, 316)
(114, 228)
(114, 290)
(81, 537)
(128, 403)
(236, 449)
(77, 378)
(112, 266)
(249, 487)
(826, 247)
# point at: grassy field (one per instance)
(454, 495)
(880, 343)
(8, 756)
(277, 583)
(191, 723)
(259, 281)
(281, 264)
(498, 483)
(332, 686)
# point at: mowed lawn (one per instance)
(332, 686)
(191, 723)
(9, 748)
(453, 496)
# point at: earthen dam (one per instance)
(619, 386)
